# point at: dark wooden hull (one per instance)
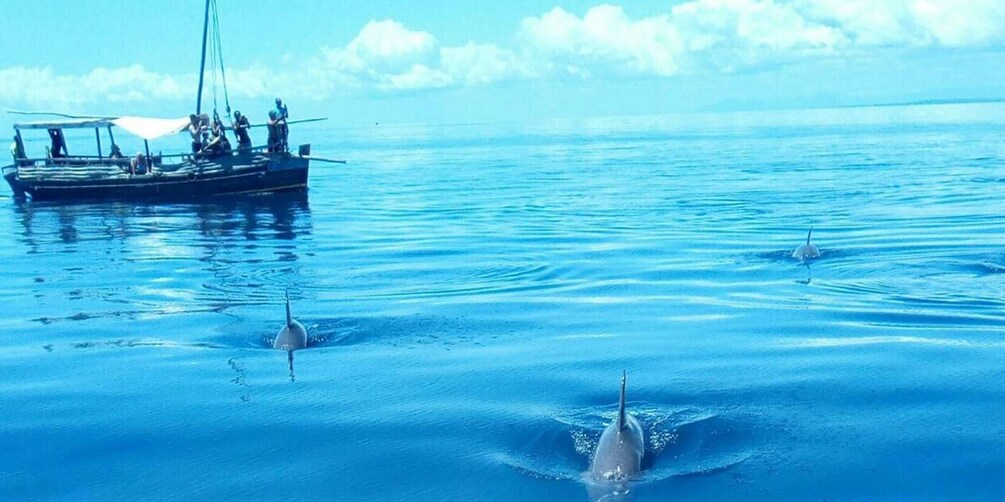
(231, 174)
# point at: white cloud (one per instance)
(418, 76)
(388, 56)
(751, 24)
(961, 23)
(479, 64)
(126, 84)
(383, 48)
(604, 42)
(604, 37)
(918, 23)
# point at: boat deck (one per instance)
(119, 169)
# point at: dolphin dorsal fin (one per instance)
(808, 235)
(289, 317)
(621, 402)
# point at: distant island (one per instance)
(750, 106)
(941, 101)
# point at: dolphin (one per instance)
(293, 336)
(807, 251)
(619, 451)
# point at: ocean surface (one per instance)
(473, 293)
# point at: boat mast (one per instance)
(202, 65)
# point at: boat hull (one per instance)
(232, 174)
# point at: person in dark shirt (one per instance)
(17, 151)
(204, 145)
(218, 142)
(281, 111)
(217, 129)
(58, 147)
(275, 141)
(241, 127)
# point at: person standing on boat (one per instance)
(281, 111)
(58, 147)
(282, 117)
(195, 129)
(17, 151)
(241, 127)
(274, 133)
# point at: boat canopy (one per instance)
(145, 127)
(151, 128)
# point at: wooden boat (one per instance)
(60, 176)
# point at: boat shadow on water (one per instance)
(680, 442)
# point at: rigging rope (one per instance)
(218, 50)
(212, 71)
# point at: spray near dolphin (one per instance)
(807, 251)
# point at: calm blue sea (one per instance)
(473, 293)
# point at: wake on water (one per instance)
(679, 442)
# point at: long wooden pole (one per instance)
(202, 65)
(320, 159)
(15, 112)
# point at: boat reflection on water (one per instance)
(228, 252)
(283, 216)
(189, 261)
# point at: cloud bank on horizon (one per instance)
(698, 37)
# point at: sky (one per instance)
(456, 61)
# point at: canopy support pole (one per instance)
(97, 136)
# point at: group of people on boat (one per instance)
(209, 138)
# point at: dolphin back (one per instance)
(808, 250)
(293, 335)
(621, 446)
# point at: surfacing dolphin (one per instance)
(293, 336)
(619, 452)
(807, 251)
